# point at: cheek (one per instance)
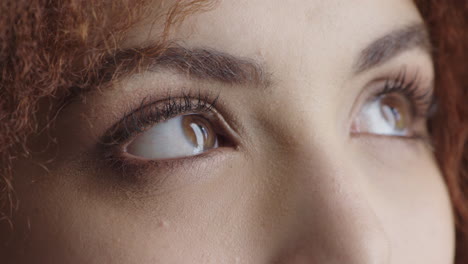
(197, 223)
(410, 199)
(244, 208)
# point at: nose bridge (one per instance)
(335, 221)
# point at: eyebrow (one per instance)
(391, 45)
(213, 65)
(199, 63)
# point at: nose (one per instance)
(333, 217)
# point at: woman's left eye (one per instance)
(178, 137)
(388, 114)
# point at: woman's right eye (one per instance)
(178, 137)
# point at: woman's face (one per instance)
(271, 131)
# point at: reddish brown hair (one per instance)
(48, 47)
(448, 25)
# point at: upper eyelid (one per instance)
(123, 129)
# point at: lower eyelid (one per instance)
(161, 174)
(418, 145)
(415, 142)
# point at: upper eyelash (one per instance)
(422, 100)
(151, 112)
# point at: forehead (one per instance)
(263, 21)
(280, 32)
(298, 41)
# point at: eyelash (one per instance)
(422, 100)
(151, 112)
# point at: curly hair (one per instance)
(50, 48)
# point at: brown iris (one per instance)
(396, 110)
(199, 131)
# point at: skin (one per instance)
(295, 187)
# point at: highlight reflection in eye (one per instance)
(388, 114)
(178, 137)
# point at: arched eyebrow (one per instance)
(209, 64)
(205, 64)
(392, 44)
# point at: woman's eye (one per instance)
(388, 114)
(181, 136)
